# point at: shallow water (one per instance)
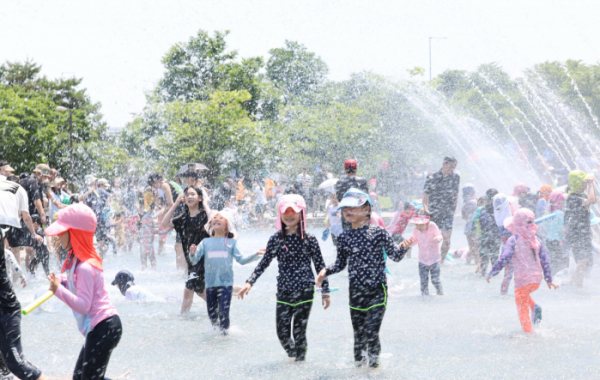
(471, 332)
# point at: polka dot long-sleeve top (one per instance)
(294, 257)
(362, 250)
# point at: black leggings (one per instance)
(218, 302)
(367, 308)
(42, 255)
(294, 309)
(99, 344)
(13, 359)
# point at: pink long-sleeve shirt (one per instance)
(429, 249)
(92, 297)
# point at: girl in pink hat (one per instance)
(427, 236)
(82, 289)
(294, 249)
(529, 258)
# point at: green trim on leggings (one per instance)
(380, 304)
(299, 303)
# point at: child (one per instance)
(361, 248)
(294, 249)
(163, 232)
(490, 242)
(118, 225)
(219, 251)
(529, 256)
(556, 233)
(577, 222)
(42, 255)
(84, 291)
(125, 281)
(503, 210)
(147, 232)
(399, 225)
(427, 236)
(334, 222)
(468, 210)
(373, 196)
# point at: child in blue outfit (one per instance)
(219, 251)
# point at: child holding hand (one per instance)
(218, 251)
(427, 236)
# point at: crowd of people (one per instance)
(530, 236)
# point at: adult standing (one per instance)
(440, 197)
(189, 224)
(13, 206)
(94, 200)
(347, 182)
(223, 194)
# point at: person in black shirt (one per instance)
(577, 222)
(440, 197)
(223, 194)
(363, 249)
(189, 224)
(12, 359)
(350, 181)
(294, 249)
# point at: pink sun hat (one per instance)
(293, 201)
(77, 217)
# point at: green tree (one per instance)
(295, 70)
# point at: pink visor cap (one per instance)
(77, 217)
(520, 188)
(420, 219)
(293, 201)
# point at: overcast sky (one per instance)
(116, 46)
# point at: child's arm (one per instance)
(270, 254)
(414, 238)
(437, 235)
(241, 259)
(340, 263)
(504, 259)
(396, 253)
(545, 261)
(196, 255)
(319, 263)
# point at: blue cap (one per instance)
(354, 198)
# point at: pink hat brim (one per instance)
(55, 228)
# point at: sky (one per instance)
(117, 46)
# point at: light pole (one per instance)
(64, 109)
(432, 38)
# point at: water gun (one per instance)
(32, 306)
(325, 234)
(544, 218)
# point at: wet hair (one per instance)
(153, 177)
(407, 205)
(491, 193)
(481, 201)
(190, 174)
(450, 160)
(118, 214)
(74, 199)
(199, 192)
(421, 212)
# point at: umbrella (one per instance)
(191, 167)
(278, 177)
(328, 183)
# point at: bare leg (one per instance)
(180, 262)
(579, 273)
(17, 252)
(188, 298)
(29, 255)
(446, 244)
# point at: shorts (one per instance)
(582, 249)
(162, 237)
(443, 220)
(101, 233)
(195, 280)
(20, 237)
(260, 209)
(131, 225)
